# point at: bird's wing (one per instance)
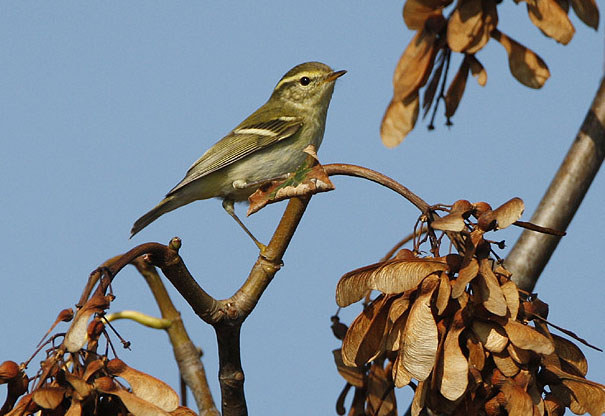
(241, 142)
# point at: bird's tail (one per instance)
(167, 205)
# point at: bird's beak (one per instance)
(334, 75)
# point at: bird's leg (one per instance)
(228, 206)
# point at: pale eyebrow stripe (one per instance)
(295, 77)
(286, 80)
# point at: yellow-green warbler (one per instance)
(266, 145)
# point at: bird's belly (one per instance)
(263, 165)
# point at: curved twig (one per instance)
(379, 178)
(403, 241)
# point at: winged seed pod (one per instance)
(461, 329)
(466, 29)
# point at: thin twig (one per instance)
(40, 346)
(379, 178)
(125, 343)
(543, 230)
(441, 95)
(405, 240)
(567, 331)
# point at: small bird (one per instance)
(267, 145)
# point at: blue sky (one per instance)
(105, 105)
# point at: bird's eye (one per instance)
(304, 81)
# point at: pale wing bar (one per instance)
(238, 144)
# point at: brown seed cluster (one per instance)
(469, 27)
(459, 327)
(76, 378)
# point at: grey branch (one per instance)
(563, 198)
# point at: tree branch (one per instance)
(246, 298)
(185, 352)
(171, 264)
(532, 251)
(227, 316)
(379, 178)
(241, 304)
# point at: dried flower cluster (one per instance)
(460, 327)
(76, 379)
(467, 30)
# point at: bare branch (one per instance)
(167, 259)
(567, 332)
(534, 227)
(240, 305)
(226, 316)
(186, 354)
(266, 266)
(532, 251)
(379, 178)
